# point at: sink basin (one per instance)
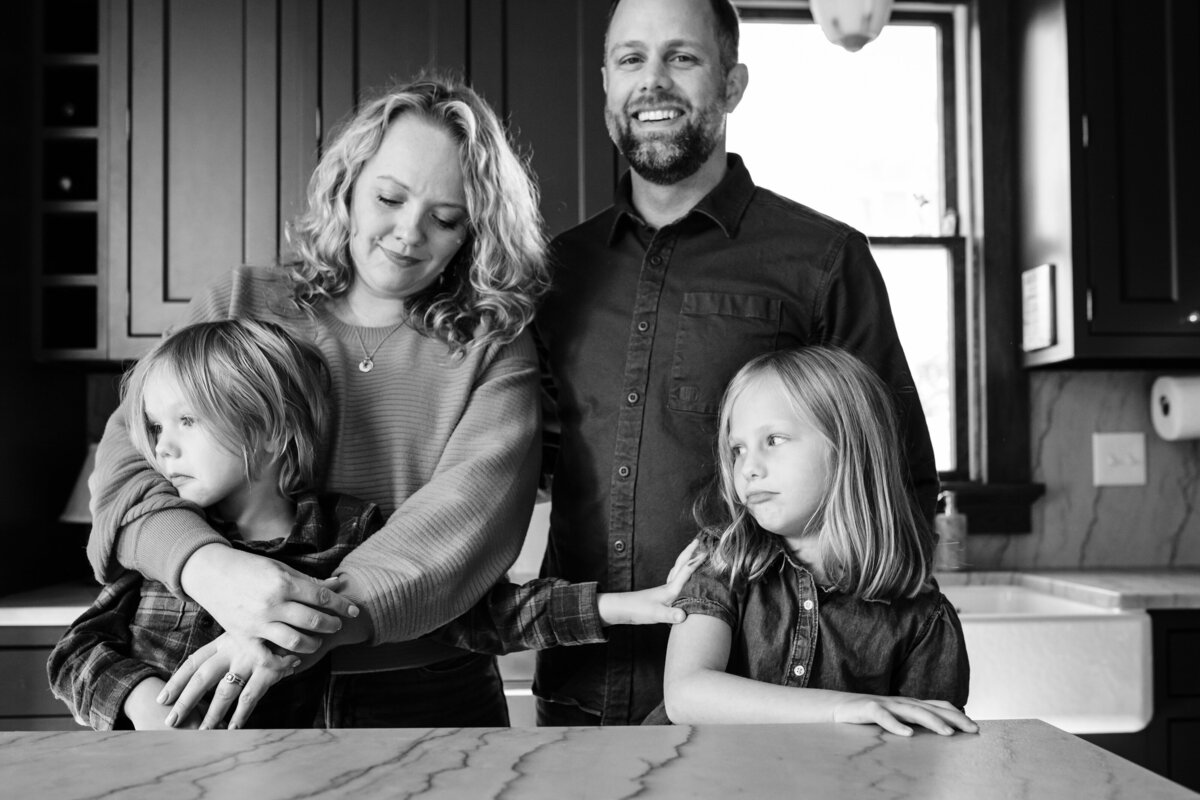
(1079, 667)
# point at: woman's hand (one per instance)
(650, 606)
(890, 713)
(249, 660)
(254, 597)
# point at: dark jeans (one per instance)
(561, 715)
(465, 692)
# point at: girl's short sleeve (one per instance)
(708, 592)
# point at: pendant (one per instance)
(366, 365)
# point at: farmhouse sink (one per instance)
(1079, 667)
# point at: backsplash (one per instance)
(1078, 525)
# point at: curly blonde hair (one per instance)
(491, 287)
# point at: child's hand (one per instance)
(147, 714)
(890, 713)
(650, 606)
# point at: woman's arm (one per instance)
(453, 538)
(698, 690)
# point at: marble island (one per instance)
(1007, 759)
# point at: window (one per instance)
(893, 140)
(870, 138)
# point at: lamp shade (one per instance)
(77, 509)
(851, 23)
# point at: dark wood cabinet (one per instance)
(211, 116)
(1109, 114)
(1170, 743)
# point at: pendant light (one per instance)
(851, 23)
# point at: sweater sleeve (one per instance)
(856, 315)
(90, 669)
(139, 522)
(451, 540)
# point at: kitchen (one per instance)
(549, 92)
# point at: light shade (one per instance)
(77, 509)
(851, 23)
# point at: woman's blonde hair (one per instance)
(491, 287)
(261, 393)
(873, 541)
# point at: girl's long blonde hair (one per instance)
(873, 540)
(490, 290)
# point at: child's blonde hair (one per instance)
(873, 540)
(256, 388)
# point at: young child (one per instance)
(816, 601)
(233, 414)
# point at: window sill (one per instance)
(996, 507)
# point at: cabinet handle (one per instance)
(1193, 318)
(65, 184)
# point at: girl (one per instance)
(816, 602)
(233, 414)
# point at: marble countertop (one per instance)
(1156, 589)
(1013, 758)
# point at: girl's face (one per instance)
(780, 462)
(408, 210)
(189, 454)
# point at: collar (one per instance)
(725, 205)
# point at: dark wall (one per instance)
(42, 406)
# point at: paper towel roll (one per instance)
(1175, 407)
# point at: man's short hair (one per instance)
(727, 29)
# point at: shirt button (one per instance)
(632, 397)
(643, 326)
(655, 260)
(619, 545)
(798, 670)
(808, 605)
(623, 471)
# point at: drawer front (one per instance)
(24, 689)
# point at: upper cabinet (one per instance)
(214, 129)
(1109, 98)
(211, 115)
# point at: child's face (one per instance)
(780, 462)
(188, 453)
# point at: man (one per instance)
(657, 302)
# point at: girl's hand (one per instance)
(254, 597)
(207, 668)
(890, 713)
(650, 606)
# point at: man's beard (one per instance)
(666, 159)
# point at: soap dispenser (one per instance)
(951, 528)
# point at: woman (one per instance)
(420, 262)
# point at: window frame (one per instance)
(991, 393)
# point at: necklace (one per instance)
(368, 360)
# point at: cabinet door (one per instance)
(1141, 78)
(220, 109)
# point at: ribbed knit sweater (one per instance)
(447, 446)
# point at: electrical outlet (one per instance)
(1118, 459)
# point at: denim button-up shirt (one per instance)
(642, 331)
(791, 632)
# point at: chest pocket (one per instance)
(718, 333)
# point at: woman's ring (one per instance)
(233, 677)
